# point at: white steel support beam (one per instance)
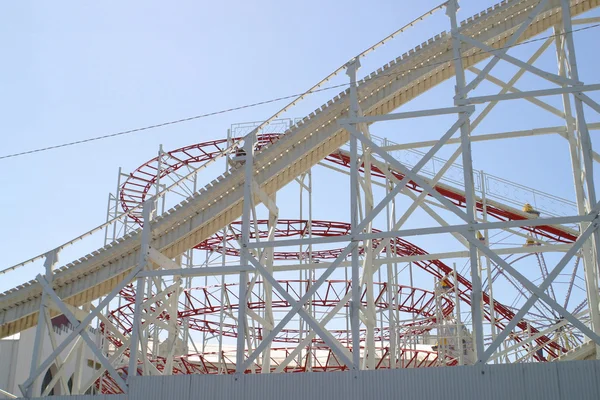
(267, 256)
(530, 94)
(34, 389)
(532, 338)
(84, 335)
(369, 119)
(59, 361)
(308, 339)
(295, 309)
(76, 386)
(265, 199)
(193, 272)
(408, 174)
(463, 90)
(249, 142)
(487, 136)
(112, 360)
(461, 94)
(173, 326)
(510, 85)
(435, 230)
(369, 357)
(530, 68)
(353, 113)
(586, 21)
(591, 269)
(574, 149)
(389, 251)
(320, 330)
(161, 260)
(77, 329)
(77, 346)
(587, 100)
(307, 296)
(234, 270)
(538, 291)
(136, 332)
(419, 201)
(367, 265)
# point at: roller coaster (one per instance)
(213, 279)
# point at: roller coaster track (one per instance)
(301, 147)
(142, 181)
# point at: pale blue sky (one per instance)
(75, 70)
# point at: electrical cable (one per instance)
(274, 100)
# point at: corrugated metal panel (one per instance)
(504, 381)
(582, 378)
(458, 382)
(177, 387)
(216, 387)
(147, 387)
(564, 381)
(541, 381)
(58, 397)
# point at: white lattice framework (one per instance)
(146, 276)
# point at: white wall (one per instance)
(9, 348)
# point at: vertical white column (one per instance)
(392, 289)
(585, 143)
(311, 272)
(76, 388)
(35, 389)
(172, 309)
(220, 360)
(157, 184)
(488, 263)
(458, 319)
(268, 288)
(368, 270)
(112, 211)
(147, 212)
(243, 286)
(465, 140)
(302, 274)
(354, 193)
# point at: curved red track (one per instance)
(199, 304)
(400, 247)
(135, 189)
(138, 184)
(201, 307)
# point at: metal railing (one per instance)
(494, 187)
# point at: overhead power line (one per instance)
(274, 100)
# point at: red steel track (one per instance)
(399, 246)
(285, 228)
(201, 307)
(135, 189)
(140, 182)
(299, 228)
